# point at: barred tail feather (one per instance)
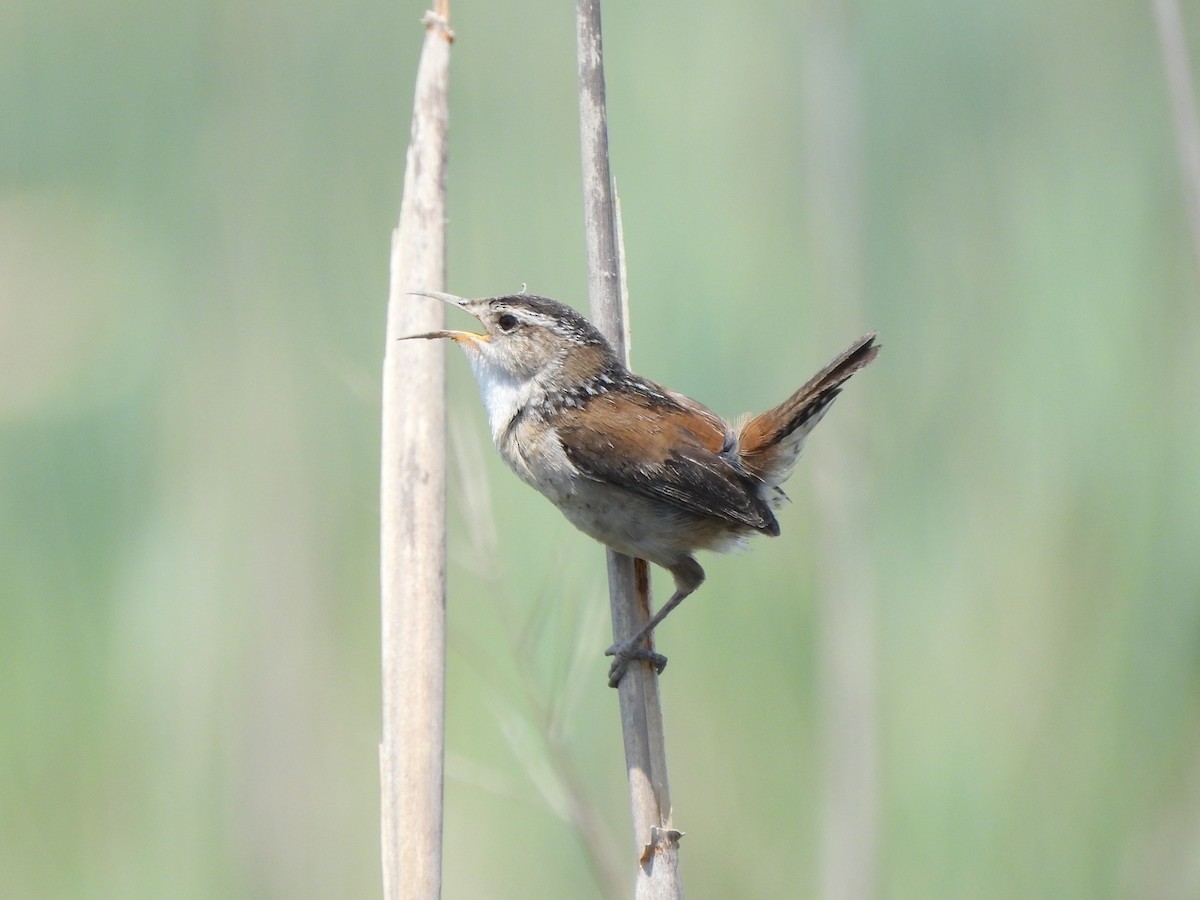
(770, 443)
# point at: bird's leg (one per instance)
(688, 576)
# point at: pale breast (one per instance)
(533, 452)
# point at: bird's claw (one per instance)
(624, 655)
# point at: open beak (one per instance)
(461, 337)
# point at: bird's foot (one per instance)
(625, 653)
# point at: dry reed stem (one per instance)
(655, 839)
(413, 502)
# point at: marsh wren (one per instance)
(640, 468)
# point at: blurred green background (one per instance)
(195, 210)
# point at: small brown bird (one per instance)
(640, 468)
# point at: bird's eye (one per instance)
(507, 322)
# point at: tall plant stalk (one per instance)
(655, 839)
(413, 501)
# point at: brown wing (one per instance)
(678, 446)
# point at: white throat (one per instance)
(503, 396)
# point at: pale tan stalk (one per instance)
(655, 838)
(413, 501)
